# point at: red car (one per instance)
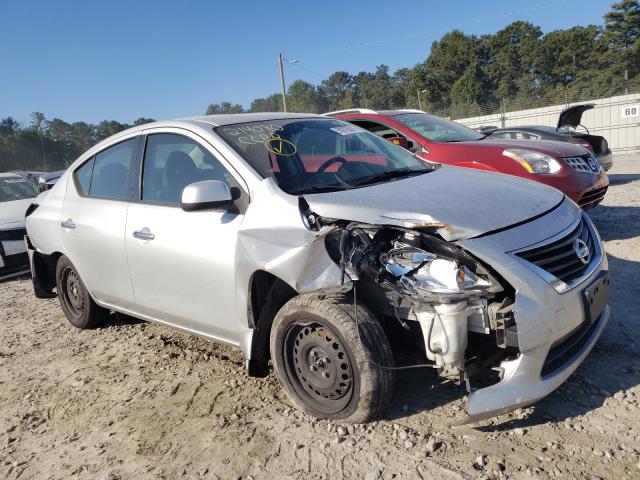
(570, 168)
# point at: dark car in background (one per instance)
(566, 131)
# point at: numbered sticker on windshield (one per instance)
(347, 129)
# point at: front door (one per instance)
(182, 263)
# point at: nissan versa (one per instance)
(321, 247)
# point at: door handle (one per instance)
(143, 235)
(68, 223)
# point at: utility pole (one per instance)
(281, 61)
(626, 80)
(419, 100)
(284, 93)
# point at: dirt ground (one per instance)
(136, 400)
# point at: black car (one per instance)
(568, 121)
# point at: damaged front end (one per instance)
(415, 281)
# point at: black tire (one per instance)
(80, 309)
(312, 336)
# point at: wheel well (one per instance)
(44, 273)
(267, 295)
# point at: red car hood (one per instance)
(548, 147)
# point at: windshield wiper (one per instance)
(317, 189)
(389, 174)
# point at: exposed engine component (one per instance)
(437, 284)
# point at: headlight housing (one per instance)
(432, 277)
(532, 161)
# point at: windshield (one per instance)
(437, 129)
(316, 154)
(16, 188)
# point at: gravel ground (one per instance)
(137, 400)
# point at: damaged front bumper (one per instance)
(522, 382)
(558, 323)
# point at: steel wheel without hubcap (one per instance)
(76, 303)
(331, 359)
(72, 292)
(318, 366)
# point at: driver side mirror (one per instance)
(207, 194)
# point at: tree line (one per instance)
(460, 76)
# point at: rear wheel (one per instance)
(78, 306)
(326, 368)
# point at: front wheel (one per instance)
(326, 368)
(78, 306)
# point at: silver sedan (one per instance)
(330, 253)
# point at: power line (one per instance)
(297, 65)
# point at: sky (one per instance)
(124, 59)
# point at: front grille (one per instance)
(585, 164)
(592, 197)
(559, 258)
(564, 352)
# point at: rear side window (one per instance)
(111, 171)
(83, 177)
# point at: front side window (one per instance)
(16, 188)
(111, 171)
(317, 154)
(171, 162)
(437, 129)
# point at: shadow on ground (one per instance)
(622, 178)
(616, 223)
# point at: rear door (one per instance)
(183, 263)
(93, 221)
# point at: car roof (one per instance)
(232, 118)
(214, 121)
(200, 122)
(366, 111)
(226, 119)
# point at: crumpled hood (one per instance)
(459, 202)
(12, 213)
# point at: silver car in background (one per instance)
(16, 194)
(312, 244)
